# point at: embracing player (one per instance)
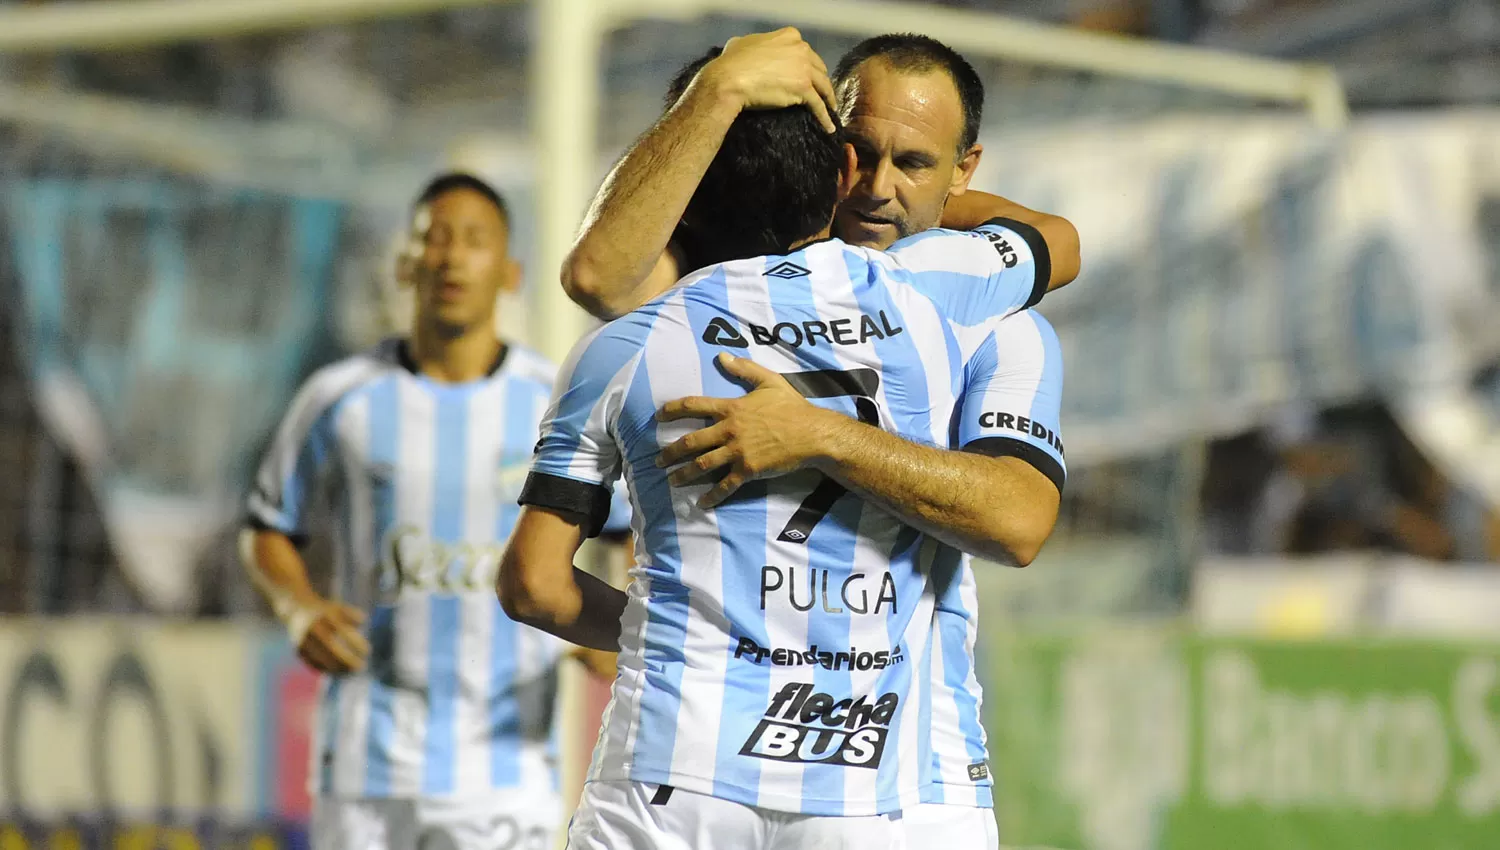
(776, 649)
(436, 710)
(911, 109)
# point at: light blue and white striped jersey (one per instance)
(423, 478)
(1010, 405)
(770, 646)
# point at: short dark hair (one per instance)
(773, 183)
(684, 77)
(911, 52)
(449, 181)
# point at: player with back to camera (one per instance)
(775, 638)
(435, 709)
(911, 109)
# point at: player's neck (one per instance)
(454, 357)
(816, 237)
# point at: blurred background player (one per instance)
(436, 709)
(911, 109)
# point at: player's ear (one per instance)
(405, 265)
(963, 170)
(510, 278)
(848, 172)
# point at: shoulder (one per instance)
(527, 364)
(328, 385)
(1022, 341)
(1026, 331)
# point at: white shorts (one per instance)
(950, 827)
(633, 816)
(519, 820)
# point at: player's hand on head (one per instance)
(771, 70)
(770, 431)
(333, 642)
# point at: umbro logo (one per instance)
(720, 332)
(786, 270)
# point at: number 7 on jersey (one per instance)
(862, 385)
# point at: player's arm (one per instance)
(620, 259)
(325, 632)
(567, 498)
(539, 586)
(601, 663)
(998, 498)
(972, 209)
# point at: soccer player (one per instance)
(912, 110)
(435, 708)
(770, 646)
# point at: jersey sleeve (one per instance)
(577, 458)
(1011, 404)
(975, 276)
(295, 463)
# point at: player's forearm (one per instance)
(973, 208)
(609, 271)
(601, 663)
(580, 608)
(276, 567)
(992, 507)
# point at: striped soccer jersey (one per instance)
(1010, 405)
(770, 646)
(422, 477)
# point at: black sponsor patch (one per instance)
(805, 725)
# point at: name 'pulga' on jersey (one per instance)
(423, 479)
(770, 646)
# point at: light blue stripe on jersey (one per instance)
(450, 466)
(932, 791)
(978, 370)
(910, 408)
(504, 711)
(664, 650)
(384, 420)
(952, 620)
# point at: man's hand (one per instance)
(333, 642)
(769, 432)
(772, 70)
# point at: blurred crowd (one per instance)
(1346, 478)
